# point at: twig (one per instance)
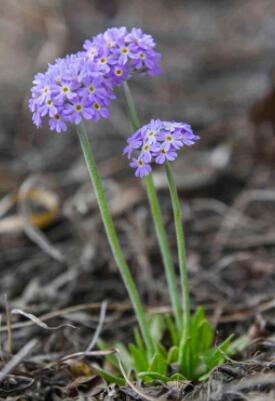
(39, 322)
(99, 326)
(9, 325)
(86, 353)
(34, 233)
(131, 384)
(123, 307)
(16, 359)
(1, 348)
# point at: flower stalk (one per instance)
(158, 221)
(113, 238)
(165, 251)
(181, 248)
(134, 120)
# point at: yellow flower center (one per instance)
(140, 163)
(96, 106)
(65, 89)
(78, 107)
(125, 50)
(118, 72)
(169, 138)
(91, 89)
(163, 151)
(103, 60)
(46, 90)
(57, 117)
(146, 148)
(141, 55)
(49, 102)
(151, 133)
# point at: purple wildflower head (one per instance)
(70, 90)
(119, 53)
(157, 142)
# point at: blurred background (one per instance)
(218, 75)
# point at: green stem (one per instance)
(131, 107)
(181, 250)
(165, 251)
(112, 237)
(158, 221)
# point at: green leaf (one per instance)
(173, 331)
(161, 350)
(205, 336)
(125, 356)
(156, 327)
(108, 376)
(216, 355)
(202, 333)
(139, 358)
(139, 340)
(238, 345)
(173, 355)
(177, 377)
(153, 376)
(158, 364)
(111, 359)
(185, 358)
(198, 316)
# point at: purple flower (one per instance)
(119, 53)
(119, 73)
(57, 123)
(142, 168)
(151, 131)
(174, 139)
(146, 152)
(157, 142)
(72, 89)
(165, 152)
(78, 108)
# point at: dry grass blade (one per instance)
(71, 309)
(30, 229)
(16, 359)
(9, 325)
(39, 322)
(6, 203)
(85, 353)
(116, 306)
(99, 326)
(39, 196)
(131, 384)
(248, 385)
(233, 218)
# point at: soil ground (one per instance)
(218, 74)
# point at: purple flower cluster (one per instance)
(157, 142)
(71, 89)
(82, 85)
(118, 53)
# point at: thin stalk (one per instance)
(158, 221)
(181, 250)
(131, 107)
(165, 251)
(113, 238)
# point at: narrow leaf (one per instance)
(158, 364)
